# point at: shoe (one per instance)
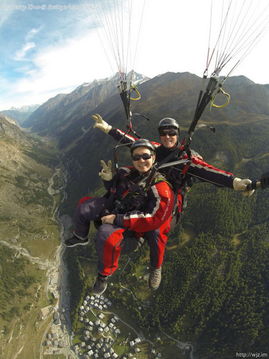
(155, 277)
(75, 241)
(100, 285)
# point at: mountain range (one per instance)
(20, 114)
(63, 113)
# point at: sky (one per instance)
(53, 46)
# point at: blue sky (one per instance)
(52, 46)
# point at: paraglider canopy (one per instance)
(119, 24)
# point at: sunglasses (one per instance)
(168, 132)
(145, 156)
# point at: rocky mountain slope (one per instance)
(29, 236)
(63, 113)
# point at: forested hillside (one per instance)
(215, 288)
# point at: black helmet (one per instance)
(142, 142)
(168, 122)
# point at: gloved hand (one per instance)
(241, 185)
(100, 123)
(106, 171)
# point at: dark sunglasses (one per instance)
(168, 132)
(145, 156)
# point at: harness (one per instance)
(136, 194)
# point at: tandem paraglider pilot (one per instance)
(138, 199)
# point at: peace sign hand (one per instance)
(106, 171)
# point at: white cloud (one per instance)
(32, 33)
(20, 54)
(60, 69)
(29, 45)
(77, 61)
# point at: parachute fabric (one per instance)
(119, 25)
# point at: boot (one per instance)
(155, 277)
(76, 241)
(100, 284)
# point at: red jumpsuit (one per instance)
(149, 214)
